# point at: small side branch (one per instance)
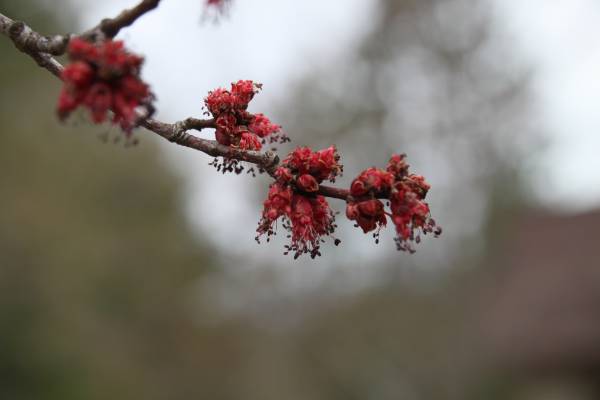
(110, 27)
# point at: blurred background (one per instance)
(132, 271)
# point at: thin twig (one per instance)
(110, 27)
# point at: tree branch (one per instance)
(35, 45)
(177, 133)
(28, 40)
(267, 161)
(38, 47)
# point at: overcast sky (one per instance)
(560, 38)
(277, 41)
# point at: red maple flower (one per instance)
(243, 92)
(283, 175)
(372, 181)
(249, 141)
(308, 183)
(307, 218)
(398, 166)
(262, 126)
(311, 219)
(80, 74)
(226, 123)
(218, 101)
(322, 164)
(103, 78)
(235, 126)
(410, 214)
(298, 160)
(278, 202)
(405, 192)
(417, 184)
(369, 214)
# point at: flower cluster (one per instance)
(309, 168)
(406, 193)
(307, 216)
(370, 184)
(235, 126)
(104, 77)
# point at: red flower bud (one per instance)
(352, 211)
(218, 101)
(398, 166)
(284, 175)
(226, 122)
(66, 103)
(249, 141)
(80, 49)
(320, 165)
(406, 192)
(358, 188)
(373, 180)
(243, 92)
(99, 101)
(371, 208)
(262, 126)
(79, 73)
(307, 218)
(307, 183)
(103, 77)
(418, 185)
(369, 214)
(231, 118)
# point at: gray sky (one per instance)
(560, 38)
(276, 41)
